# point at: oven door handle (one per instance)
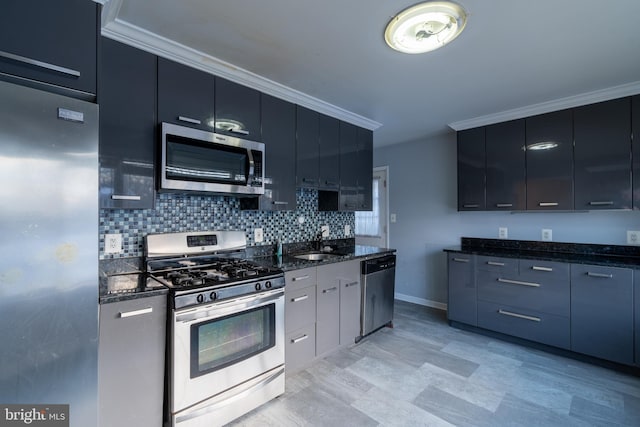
(215, 310)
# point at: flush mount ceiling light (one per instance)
(425, 26)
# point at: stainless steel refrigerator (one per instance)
(48, 251)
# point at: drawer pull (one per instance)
(327, 291)
(600, 275)
(504, 205)
(518, 282)
(301, 298)
(189, 120)
(607, 203)
(351, 284)
(536, 268)
(41, 64)
(519, 316)
(123, 197)
(296, 279)
(278, 202)
(297, 340)
(471, 206)
(461, 259)
(547, 204)
(495, 263)
(125, 314)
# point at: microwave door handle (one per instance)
(251, 165)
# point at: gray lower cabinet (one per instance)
(300, 318)
(328, 310)
(349, 280)
(602, 312)
(131, 362)
(462, 299)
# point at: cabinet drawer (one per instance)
(502, 264)
(298, 279)
(300, 307)
(531, 269)
(300, 348)
(547, 295)
(524, 323)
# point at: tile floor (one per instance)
(426, 373)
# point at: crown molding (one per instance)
(124, 32)
(606, 94)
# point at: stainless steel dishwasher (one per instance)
(378, 276)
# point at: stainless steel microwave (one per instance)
(201, 161)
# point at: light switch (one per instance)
(392, 217)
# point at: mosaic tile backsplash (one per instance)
(183, 212)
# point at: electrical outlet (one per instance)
(547, 235)
(258, 235)
(325, 230)
(392, 218)
(633, 237)
(113, 243)
(347, 230)
(503, 233)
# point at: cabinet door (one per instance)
(329, 152)
(300, 308)
(462, 300)
(349, 280)
(506, 166)
(131, 362)
(602, 155)
(636, 309)
(185, 95)
(51, 42)
(237, 110)
(471, 169)
(365, 169)
(279, 136)
(549, 157)
(127, 127)
(328, 310)
(602, 312)
(307, 148)
(348, 167)
(635, 128)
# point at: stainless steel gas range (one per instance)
(226, 330)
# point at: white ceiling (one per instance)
(515, 57)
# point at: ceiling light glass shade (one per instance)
(425, 27)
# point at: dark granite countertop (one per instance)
(123, 279)
(577, 253)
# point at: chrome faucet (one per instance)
(318, 241)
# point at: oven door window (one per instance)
(193, 160)
(221, 342)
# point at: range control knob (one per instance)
(213, 296)
(267, 285)
(200, 298)
(258, 286)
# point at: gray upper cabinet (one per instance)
(279, 136)
(307, 149)
(549, 160)
(602, 312)
(602, 155)
(329, 153)
(127, 95)
(51, 42)
(471, 169)
(348, 166)
(237, 110)
(364, 167)
(506, 166)
(636, 315)
(185, 95)
(635, 128)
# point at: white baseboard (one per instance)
(421, 301)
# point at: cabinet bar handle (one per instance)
(123, 197)
(461, 259)
(471, 206)
(308, 180)
(495, 263)
(600, 275)
(330, 183)
(518, 282)
(327, 291)
(189, 120)
(302, 298)
(546, 204)
(519, 316)
(240, 131)
(536, 268)
(297, 340)
(351, 284)
(295, 279)
(277, 202)
(504, 205)
(147, 310)
(607, 203)
(48, 66)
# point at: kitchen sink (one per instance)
(315, 256)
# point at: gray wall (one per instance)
(423, 195)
